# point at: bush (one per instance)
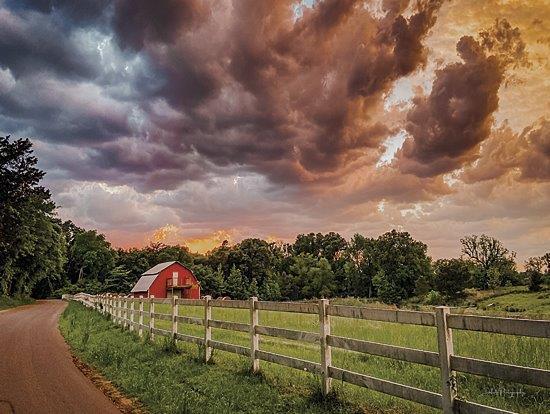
(433, 298)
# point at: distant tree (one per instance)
(451, 277)
(253, 288)
(312, 276)
(496, 264)
(255, 258)
(360, 266)
(270, 290)
(119, 280)
(90, 257)
(534, 270)
(212, 281)
(401, 261)
(235, 284)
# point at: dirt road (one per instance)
(37, 374)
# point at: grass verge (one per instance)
(279, 388)
(7, 302)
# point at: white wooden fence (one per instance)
(123, 311)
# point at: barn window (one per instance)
(175, 278)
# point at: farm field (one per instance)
(531, 352)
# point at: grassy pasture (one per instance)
(532, 352)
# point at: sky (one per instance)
(200, 121)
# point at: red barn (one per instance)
(166, 280)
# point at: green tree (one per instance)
(119, 280)
(32, 243)
(495, 263)
(212, 281)
(235, 284)
(534, 270)
(312, 276)
(270, 290)
(451, 277)
(401, 261)
(90, 257)
(360, 266)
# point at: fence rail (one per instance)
(124, 311)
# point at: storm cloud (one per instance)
(447, 126)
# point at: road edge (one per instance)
(125, 404)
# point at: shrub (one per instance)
(433, 298)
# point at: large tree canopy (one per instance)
(32, 241)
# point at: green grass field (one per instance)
(13, 301)
(303, 386)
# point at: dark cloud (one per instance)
(143, 21)
(246, 84)
(447, 126)
(290, 98)
(32, 42)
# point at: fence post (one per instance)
(119, 310)
(175, 314)
(326, 353)
(151, 317)
(254, 337)
(207, 328)
(125, 313)
(445, 347)
(132, 309)
(140, 319)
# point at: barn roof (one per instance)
(144, 283)
(155, 270)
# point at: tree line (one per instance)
(41, 255)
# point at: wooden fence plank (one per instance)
(288, 307)
(161, 301)
(406, 392)
(289, 361)
(163, 316)
(467, 407)
(190, 320)
(513, 373)
(190, 302)
(161, 332)
(384, 315)
(232, 326)
(416, 356)
(288, 333)
(190, 338)
(224, 346)
(509, 326)
(239, 304)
